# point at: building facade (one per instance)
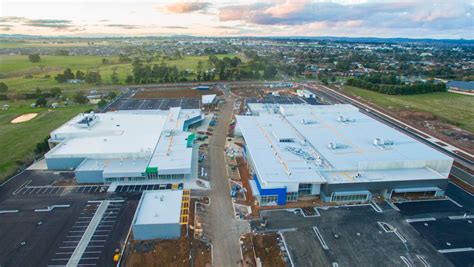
(337, 153)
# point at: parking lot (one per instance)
(151, 104)
(49, 190)
(419, 233)
(429, 206)
(352, 236)
(99, 246)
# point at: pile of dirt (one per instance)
(174, 93)
(159, 253)
(268, 250)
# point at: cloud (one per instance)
(123, 26)
(185, 7)
(175, 27)
(48, 23)
(12, 19)
(403, 14)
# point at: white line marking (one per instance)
(421, 220)
(320, 237)
(453, 250)
(406, 261)
(423, 260)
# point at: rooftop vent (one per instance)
(382, 143)
(332, 145)
(344, 119)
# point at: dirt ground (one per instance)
(268, 250)
(174, 93)
(185, 251)
(258, 90)
(444, 131)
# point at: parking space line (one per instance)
(63, 259)
(63, 253)
(77, 241)
(320, 237)
(73, 236)
(76, 231)
(93, 252)
(67, 247)
(96, 246)
(89, 258)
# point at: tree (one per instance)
(111, 95)
(102, 103)
(80, 98)
(114, 77)
(41, 101)
(80, 75)
(42, 146)
(68, 75)
(3, 87)
(34, 58)
(55, 92)
(129, 79)
(93, 77)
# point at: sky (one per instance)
(349, 18)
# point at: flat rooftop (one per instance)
(332, 144)
(159, 207)
(124, 141)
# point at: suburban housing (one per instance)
(336, 152)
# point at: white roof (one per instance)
(309, 158)
(127, 140)
(208, 99)
(159, 207)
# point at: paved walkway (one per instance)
(224, 228)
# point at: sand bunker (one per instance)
(24, 117)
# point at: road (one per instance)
(223, 226)
(340, 98)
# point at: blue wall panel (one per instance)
(280, 192)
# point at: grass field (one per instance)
(14, 70)
(453, 108)
(18, 141)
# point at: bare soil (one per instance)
(185, 251)
(174, 93)
(267, 249)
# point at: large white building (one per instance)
(335, 152)
(127, 146)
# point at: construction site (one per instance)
(266, 174)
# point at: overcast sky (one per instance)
(352, 18)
